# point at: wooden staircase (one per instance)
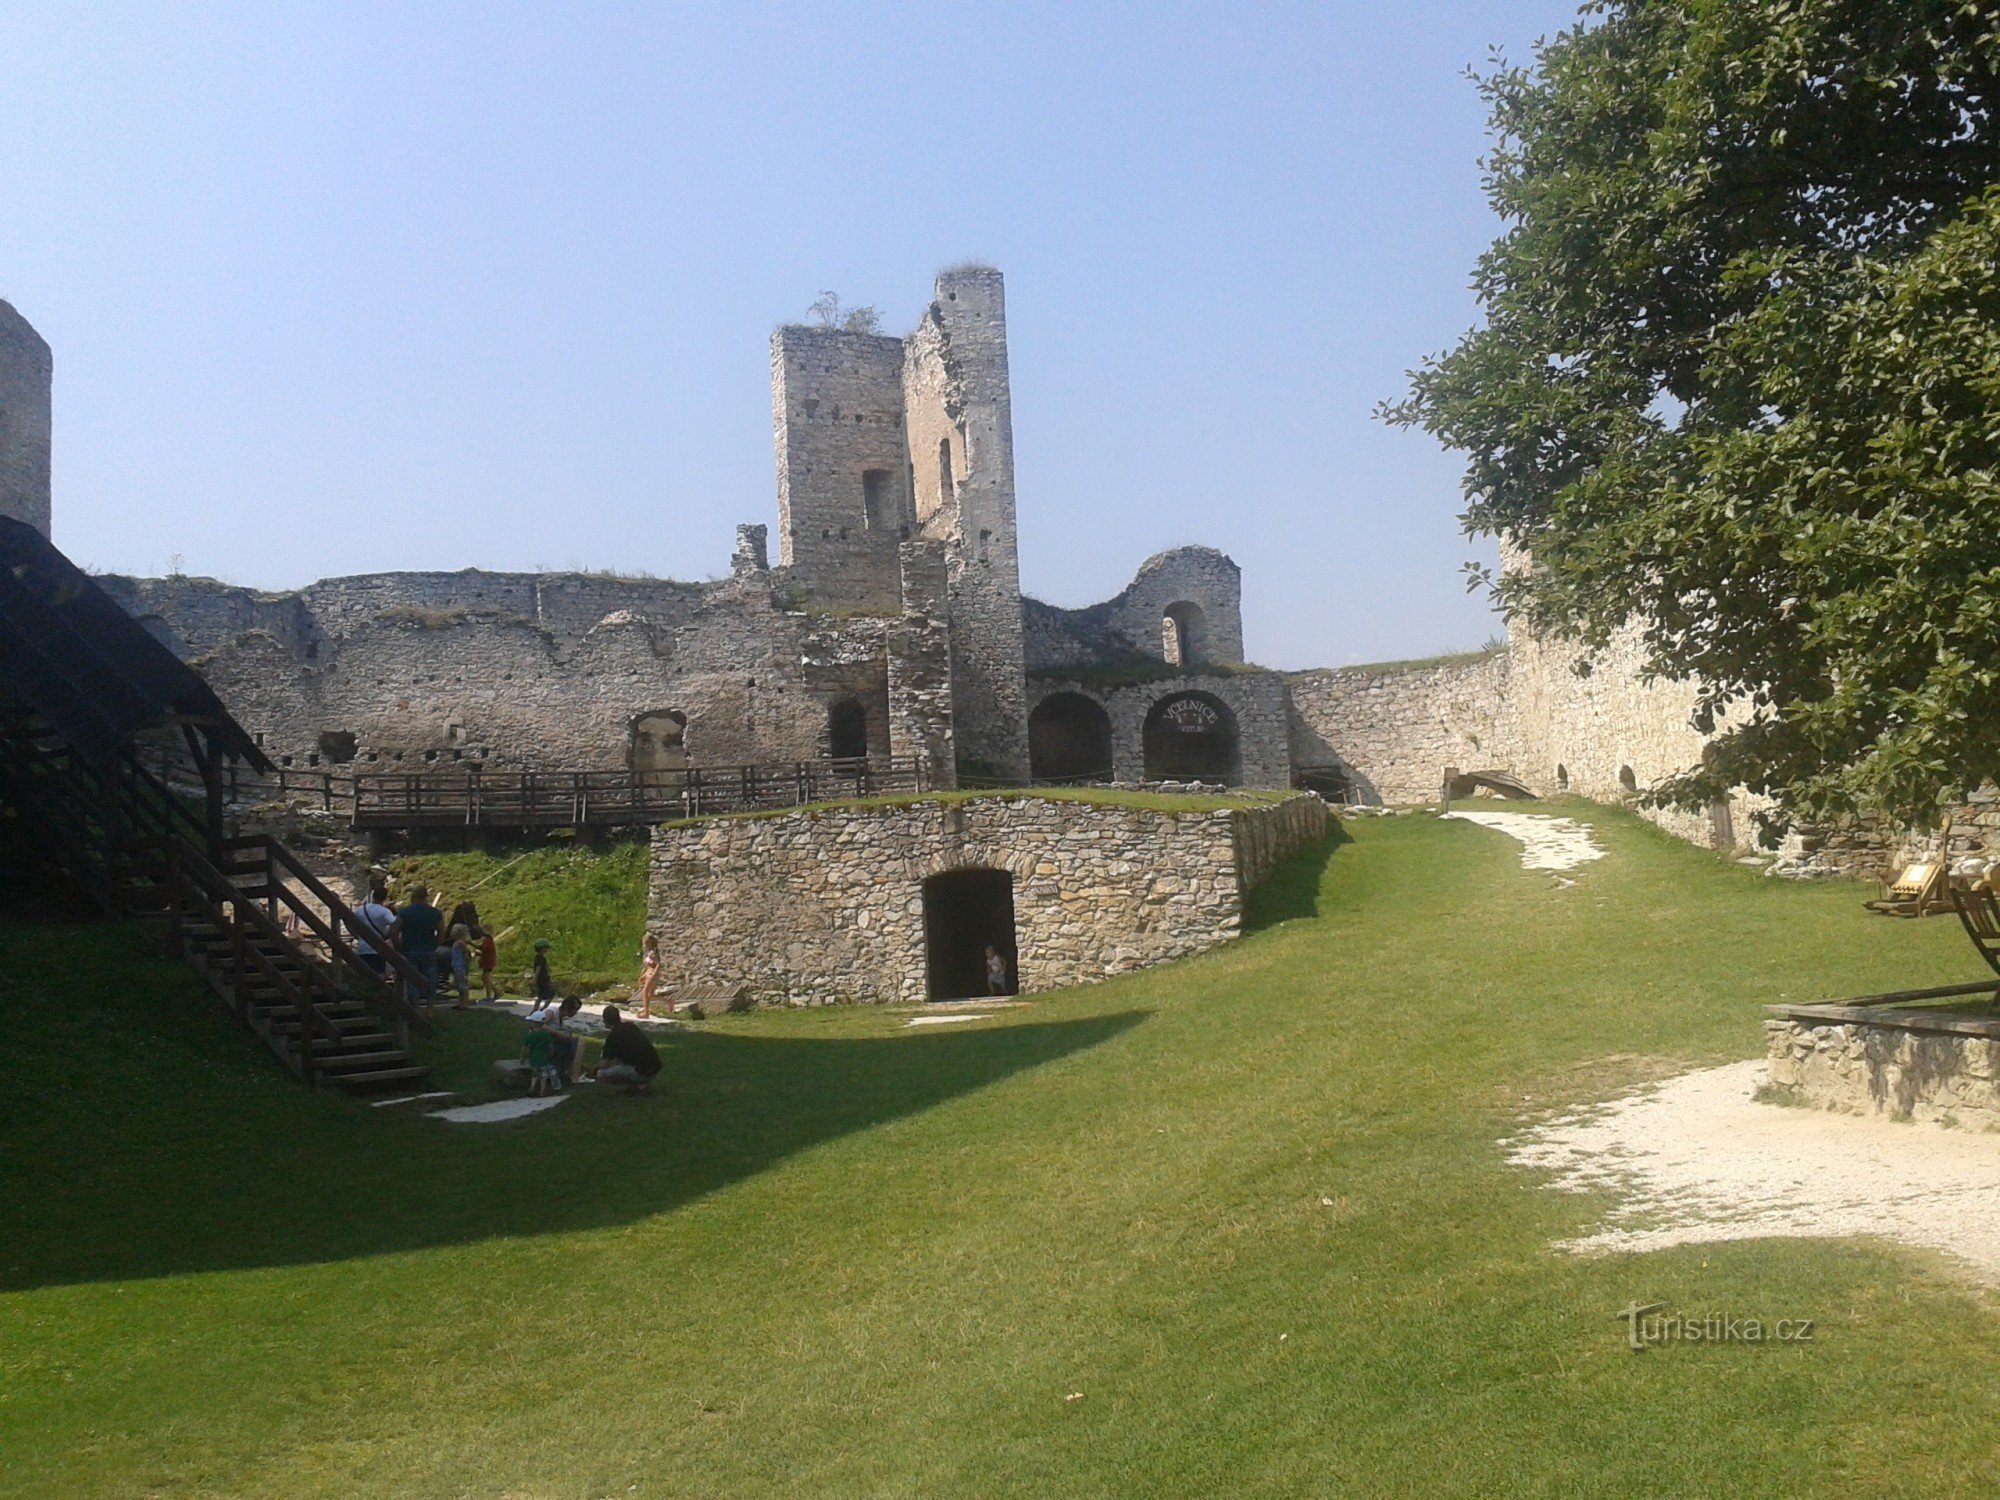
(269, 937)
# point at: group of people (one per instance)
(437, 949)
(553, 1050)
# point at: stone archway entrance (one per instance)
(1069, 739)
(1192, 737)
(965, 912)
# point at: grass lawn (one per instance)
(1238, 1225)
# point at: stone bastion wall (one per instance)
(827, 905)
(1523, 708)
(1906, 1067)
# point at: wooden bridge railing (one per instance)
(472, 797)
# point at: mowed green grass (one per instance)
(1237, 1226)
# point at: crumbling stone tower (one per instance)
(881, 440)
(27, 374)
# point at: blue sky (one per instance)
(340, 289)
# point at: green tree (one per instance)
(1739, 378)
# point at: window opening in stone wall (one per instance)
(1069, 739)
(965, 913)
(947, 485)
(338, 745)
(1192, 737)
(658, 743)
(1627, 780)
(875, 507)
(1184, 634)
(847, 730)
(1562, 777)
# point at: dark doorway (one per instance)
(1069, 739)
(1192, 737)
(847, 730)
(965, 912)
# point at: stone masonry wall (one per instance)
(27, 376)
(1130, 626)
(827, 905)
(1880, 1069)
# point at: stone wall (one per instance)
(827, 905)
(549, 670)
(1606, 735)
(1131, 626)
(1889, 1066)
(27, 376)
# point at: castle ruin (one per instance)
(891, 624)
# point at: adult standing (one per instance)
(416, 933)
(373, 921)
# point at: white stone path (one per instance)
(1546, 843)
(1696, 1159)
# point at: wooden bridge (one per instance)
(477, 798)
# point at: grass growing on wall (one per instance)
(1239, 1225)
(590, 903)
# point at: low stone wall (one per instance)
(1898, 1068)
(827, 905)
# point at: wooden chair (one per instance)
(1979, 914)
(1922, 888)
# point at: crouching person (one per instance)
(629, 1058)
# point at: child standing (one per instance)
(996, 972)
(489, 959)
(539, 1049)
(461, 964)
(649, 973)
(545, 982)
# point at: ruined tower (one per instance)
(959, 410)
(27, 373)
(880, 440)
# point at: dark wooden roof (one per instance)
(89, 669)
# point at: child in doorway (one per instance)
(461, 964)
(489, 959)
(538, 1048)
(996, 971)
(545, 982)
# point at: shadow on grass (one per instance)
(1292, 891)
(153, 1138)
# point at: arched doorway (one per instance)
(1069, 739)
(1192, 737)
(847, 730)
(658, 743)
(965, 913)
(1184, 634)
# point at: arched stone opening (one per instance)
(965, 913)
(658, 743)
(1627, 780)
(847, 729)
(1184, 634)
(1192, 737)
(339, 746)
(1069, 739)
(1562, 777)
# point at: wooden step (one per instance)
(357, 1083)
(364, 1062)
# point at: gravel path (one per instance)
(1546, 843)
(1696, 1159)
